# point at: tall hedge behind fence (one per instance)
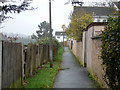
(19, 62)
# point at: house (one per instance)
(59, 36)
(99, 14)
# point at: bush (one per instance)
(110, 52)
(46, 40)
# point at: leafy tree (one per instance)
(63, 26)
(110, 52)
(79, 21)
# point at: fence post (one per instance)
(0, 64)
(22, 63)
(36, 50)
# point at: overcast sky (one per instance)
(27, 22)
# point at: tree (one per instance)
(43, 30)
(79, 21)
(63, 26)
(110, 3)
(75, 2)
(12, 7)
(106, 3)
(33, 36)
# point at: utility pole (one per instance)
(51, 44)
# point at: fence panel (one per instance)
(19, 62)
(44, 54)
(34, 57)
(41, 58)
(47, 54)
(31, 59)
(27, 61)
(36, 61)
(11, 64)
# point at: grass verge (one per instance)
(46, 76)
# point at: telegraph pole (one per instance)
(51, 45)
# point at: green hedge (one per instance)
(110, 52)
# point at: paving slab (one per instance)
(73, 76)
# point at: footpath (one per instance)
(72, 75)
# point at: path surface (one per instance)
(73, 76)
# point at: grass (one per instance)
(97, 84)
(46, 76)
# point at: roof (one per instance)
(95, 24)
(97, 11)
(60, 33)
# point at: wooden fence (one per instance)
(11, 64)
(34, 57)
(19, 62)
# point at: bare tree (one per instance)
(75, 2)
(98, 4)
(110, 2)
(10, 6)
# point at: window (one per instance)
(58, 37)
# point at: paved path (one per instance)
(73, 76)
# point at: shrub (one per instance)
(110, 52)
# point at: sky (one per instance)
(27, 22)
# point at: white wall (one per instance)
(100, 18)
(61, 38)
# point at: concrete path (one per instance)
(73, 76)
